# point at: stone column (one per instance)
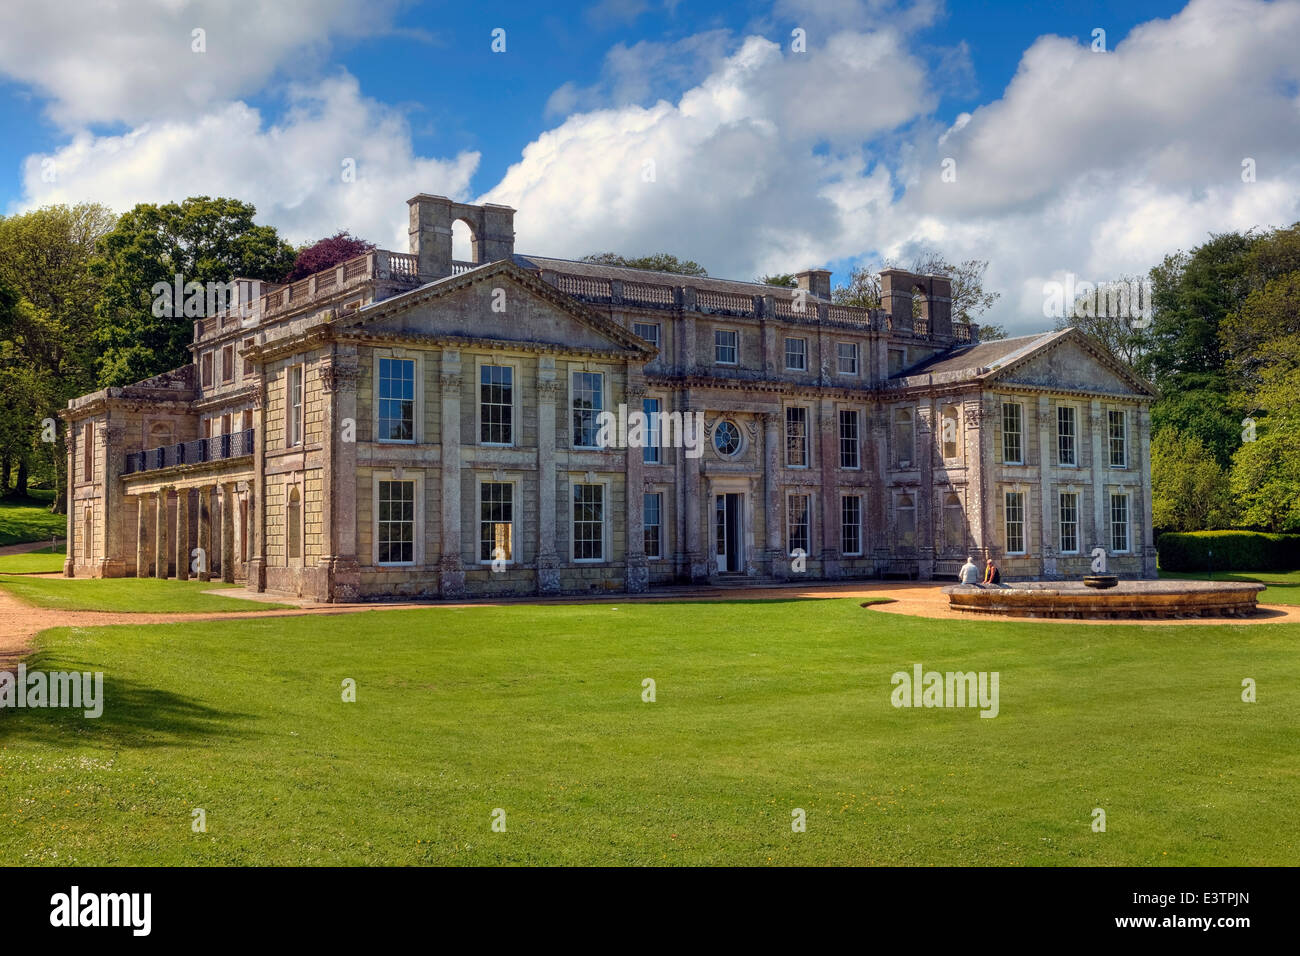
(925, 494)
(205, 531)
(638, 567)
(548, 394)
(71, 439)
(777, 565)
(450, 573)
(141, 536)
(1046, 458)
(881, 513)
(339, 381)
(112, 563)
(182, 534)
(697, 552)
(256, 571)
(1100, 462)
(160, 526)
(975, 423)
(227, 491)
(828, 457)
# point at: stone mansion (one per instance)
(408, 424)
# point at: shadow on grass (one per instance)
(135, 716)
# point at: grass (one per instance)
(43, 561)
(29, 519)
(1283, 587)
(127, 595)
(761, 707)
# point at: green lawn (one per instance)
(127, 595)
(1283, 587)
(33, 562)
(29, 519)
(762, 707)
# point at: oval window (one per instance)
(726, 438)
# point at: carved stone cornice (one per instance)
(340, 378)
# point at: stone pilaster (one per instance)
(205, 531)
(339, 380)
(1046, 459)
(112, 562)
(160, 526)
(142, 505)
(828, 458)
(70, 439)
(773, 448)
(549, 391)
(227, 492)
(637, 567)
(451, 574)
(255, 573)
(1099, 471)
(697, 550)
(182, 534)
(925, 507)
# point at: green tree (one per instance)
(1189, 489)
(201, 240)
(47, 347)
(783, 280)
(970, 299)
(658, 262)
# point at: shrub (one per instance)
(1232, 551)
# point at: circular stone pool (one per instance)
(1128, 599)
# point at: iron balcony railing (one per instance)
(216, 448)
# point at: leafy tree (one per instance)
(200, 239)
(659, 262)
(326, 253)
(783, 280)
(1189, 489)
(1120, 335)
(47, 346)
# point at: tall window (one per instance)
(726, 346)
(850, 455)
(851, 524)
(1014, 502)
(1013, 421)
(652, 518)
(905, 515)
(648, 331)
(1066, 433)
(496, 526)
(903, 437)
(496, 398)
(650, 451)
(396, 399)
(1119, 523)
(1118, 439)
(293, 524)
(1069, 522)
(396, 522)
(796, 437)
(846, 353)
(228, 364)
(954, 524)
(796, 354)
(588, 522)
(249, 367)
(798, 513)
(588, 401)
(950, 432)
(205, 369)
(295, 405)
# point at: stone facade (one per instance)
(411, 425)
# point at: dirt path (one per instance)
(27, 547)
(20, 622)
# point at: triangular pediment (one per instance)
(1071, 362)
(501, 303)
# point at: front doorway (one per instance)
(727, 532)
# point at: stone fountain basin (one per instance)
(1128, 599)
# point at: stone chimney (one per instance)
(816, 281)
(896, 297)
(491, 226)
(937, 306)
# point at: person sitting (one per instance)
(970, 573)
(991, 573)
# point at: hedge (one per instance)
(1233, 551)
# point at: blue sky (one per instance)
(769, 159)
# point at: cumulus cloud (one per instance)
(137, 62)
(293, 170)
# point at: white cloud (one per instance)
(292, 170)
(135, 62)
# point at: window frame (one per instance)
(1122, 439)
(512, 483)
(575, 371)
(1073, 411)
(295, 418)
(658, 526)
(857, 525)
(603, 483)
(380, 438)
(1061, 522)
(483, 364)
(806, 524)
(1019, 433)
(657, 340)
(854, 443)
(1023, 521)
(379, 478)
(803, 356)
(807, 439)
(855, 357)
(718, 346)
(1125, 497)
